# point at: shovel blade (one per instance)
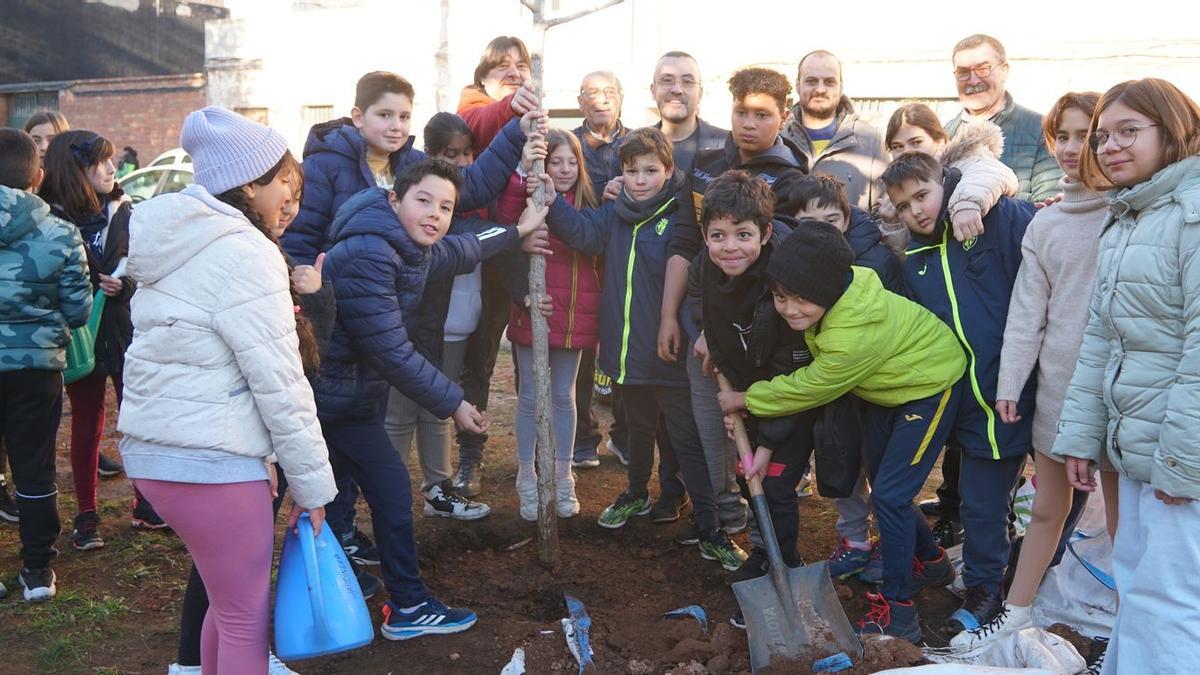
(822, 630)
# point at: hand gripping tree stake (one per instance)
(548, 552)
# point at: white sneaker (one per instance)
(277, 667)
(37, 585)
(616, 452)
(3, 590)
(566, 504)
(442, 502)
(527, 494)
(1009, 620)
(176, 669)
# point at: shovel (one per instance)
(793, 614)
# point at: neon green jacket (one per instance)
(883, 348)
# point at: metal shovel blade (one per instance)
(822, 628)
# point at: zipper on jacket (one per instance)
(571, 305)
(962, 336)
(629, 287)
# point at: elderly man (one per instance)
(830, 134)
(600, 98)
(981, 70)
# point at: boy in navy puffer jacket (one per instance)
(386, 246)
(370, 148)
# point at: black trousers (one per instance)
(948, 494)
(665, 413)
(788, 465)
(31, 404)
(482, 349)
(587, 427)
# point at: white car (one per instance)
(169, 172)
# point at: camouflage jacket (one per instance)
(44, 285)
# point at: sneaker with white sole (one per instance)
(3, 590)
(1010, 619)
(37, 585)
(9, 510)
(176, 669)
(566, 504)
(441, 501)
(277, 667)
(428, 618)
(625, 507)
(616, 452)
(527, 495)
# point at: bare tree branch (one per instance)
(584, 12)
(530, 5)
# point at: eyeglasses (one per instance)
(981, 71)
(608, 92)
(669, 82)
(1124, 137)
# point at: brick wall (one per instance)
(143, 112)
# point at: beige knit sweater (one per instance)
(1049, 307)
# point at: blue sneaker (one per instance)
(845, 561)
(873, 572)
(586, 457)
(429, 618)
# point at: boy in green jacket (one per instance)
(899, 358)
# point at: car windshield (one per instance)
(142, 186)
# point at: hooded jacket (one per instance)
(1025, 149)
(883, 348)
(335, 169)
(1135, 392)
(215, 361)
(378, 275)
(855, 156)
(572, 280)
(484, 115)
(771, 164)
(975, 152)
(633, 237)
(968, 285)
(44, 287)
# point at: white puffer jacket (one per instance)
(215, 361)
(985, 179)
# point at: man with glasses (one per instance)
(601, 133)
(830, 134)
(981, 70)
(677, 90)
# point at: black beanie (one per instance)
(812, 262)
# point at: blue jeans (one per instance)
(363, 450)
(903, 444)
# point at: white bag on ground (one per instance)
(1029, 648)
(960, 669)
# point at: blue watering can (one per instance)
(319, 607)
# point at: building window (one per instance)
(315, 114)
(21, 106)
(257, 114)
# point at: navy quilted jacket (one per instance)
(335, 169)
(378, 275)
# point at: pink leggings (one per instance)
(228, 530)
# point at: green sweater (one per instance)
(883, 348)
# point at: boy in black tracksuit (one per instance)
(748, 341)
(633, 233)
(968, 285)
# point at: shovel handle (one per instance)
(742, 440)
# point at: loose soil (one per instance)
(118, 607)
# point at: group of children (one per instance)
(317, 316)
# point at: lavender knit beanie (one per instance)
(228, 149)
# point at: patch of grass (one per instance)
(67, 627)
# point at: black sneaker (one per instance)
(145, 517)
(369, 583)
(441, 501)
(9, 510)
(931, 507)
(86, 535)
(37, 585)
(756, 565)
(467, 479)
(947, 533)
(1095, 657)
(717, 545)
(980, 605)
(738, 620)
(359, 548)
(109, 467)
(666, 509)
